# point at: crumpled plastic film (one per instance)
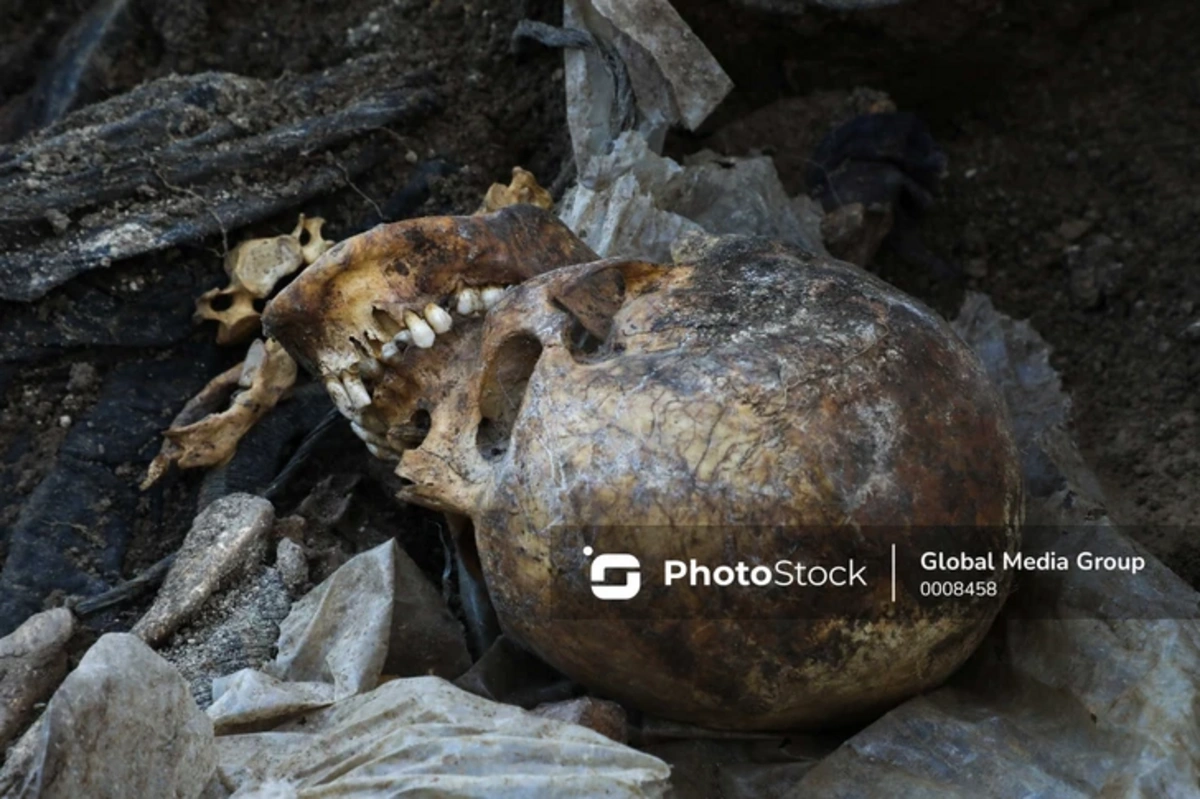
(633, 203)
(422, 736)
(338, 633)
(671, 75)
(123, 724)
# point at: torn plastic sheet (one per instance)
(425, 737)
(671, 74)
(122, 724)
(634, 203)
(376, 614)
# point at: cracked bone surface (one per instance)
(750, 403)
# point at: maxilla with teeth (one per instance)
(387, 297)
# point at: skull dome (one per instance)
(749, 404)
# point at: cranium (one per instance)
(751, 402)
(254, 267)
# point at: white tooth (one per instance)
(422, 333)
(491, 295)
(381, 453)
(391, 352)
(338, 394)
(371, 368)
(469, 302)
(360, 431)
(356, 391)
(437, 318)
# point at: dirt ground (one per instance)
(1070, 133)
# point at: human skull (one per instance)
(752, 402)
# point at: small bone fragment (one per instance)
(212, 440)
(254, 268)
(523, 188)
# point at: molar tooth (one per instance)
(356, 391)
(422, 333)
(491, 295)
(338, 394)
(468, 302)
(437, 318)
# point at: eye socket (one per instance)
(502, 391)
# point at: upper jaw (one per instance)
(384, 300)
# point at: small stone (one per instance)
(1073, 229)
(83, 377)
(292, 565)
(411, 157)
(977, 268)
(1092, 271)
(64, 421)
(33, 659)
(58, 220)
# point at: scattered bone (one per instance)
(33, 660)
(438, 318)
(382, 453)
(316, 245)
(523, 189)
(422, 333)
(211, 441)
(254, 268)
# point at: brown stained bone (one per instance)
(254, 267)
(201, 436)
(522, 189)
(337, 316)
(755, 403)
